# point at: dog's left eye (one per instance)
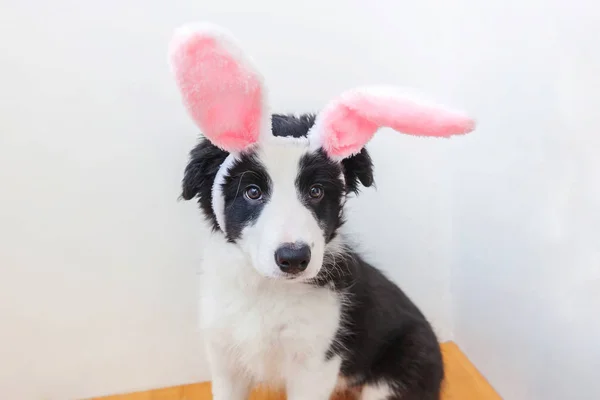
(316, 192)
(253, 192)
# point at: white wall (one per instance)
(99, 260)
(526, 197)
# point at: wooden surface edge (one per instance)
(463, 382)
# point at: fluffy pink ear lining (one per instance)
(221, 90)
(350, 121)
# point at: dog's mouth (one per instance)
(292, 278)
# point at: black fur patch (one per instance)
(358, 169)
(292, 126)
(317, 168)
(384, 338)
(239, 210)
(205, 160)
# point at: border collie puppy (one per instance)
(285, 301)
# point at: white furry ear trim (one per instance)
(218, 201)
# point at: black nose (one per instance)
(293, 258)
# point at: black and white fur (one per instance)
(339, 323)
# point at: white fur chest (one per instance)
(267, 327)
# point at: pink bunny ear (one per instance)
(221, 90)
(350, 121)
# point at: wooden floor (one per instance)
(463, 382)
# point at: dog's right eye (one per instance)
(253, 192)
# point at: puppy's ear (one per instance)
(200, 173)
(205, 160)
(358, 169)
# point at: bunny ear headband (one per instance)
(226, 97)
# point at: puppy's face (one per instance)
(280, 202)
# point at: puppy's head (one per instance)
(281, 202)
(276, 185)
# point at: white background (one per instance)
(495, 235)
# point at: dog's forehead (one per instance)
(281, 155)
(281, 150)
